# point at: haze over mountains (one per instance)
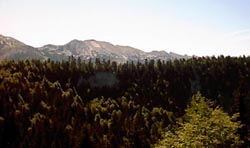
(13, 49)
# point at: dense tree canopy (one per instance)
(203, 125)
(79, 103)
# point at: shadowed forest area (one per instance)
(77, 103)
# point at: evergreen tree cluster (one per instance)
(79, 103)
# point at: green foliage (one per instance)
(204, 126)
(55, 104)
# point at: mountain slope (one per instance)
(11, 48)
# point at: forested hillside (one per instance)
(77, 103)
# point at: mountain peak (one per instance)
(91, 40)
(9, 41)
(75, 41)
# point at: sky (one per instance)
(192, 27)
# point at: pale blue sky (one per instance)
(199, 27)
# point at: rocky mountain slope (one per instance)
(11, 48)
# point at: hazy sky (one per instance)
(200, 27)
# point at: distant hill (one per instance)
(11, 48)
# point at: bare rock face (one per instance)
(11, 48)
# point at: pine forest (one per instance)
(196, 102)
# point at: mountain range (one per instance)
(13, 49)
